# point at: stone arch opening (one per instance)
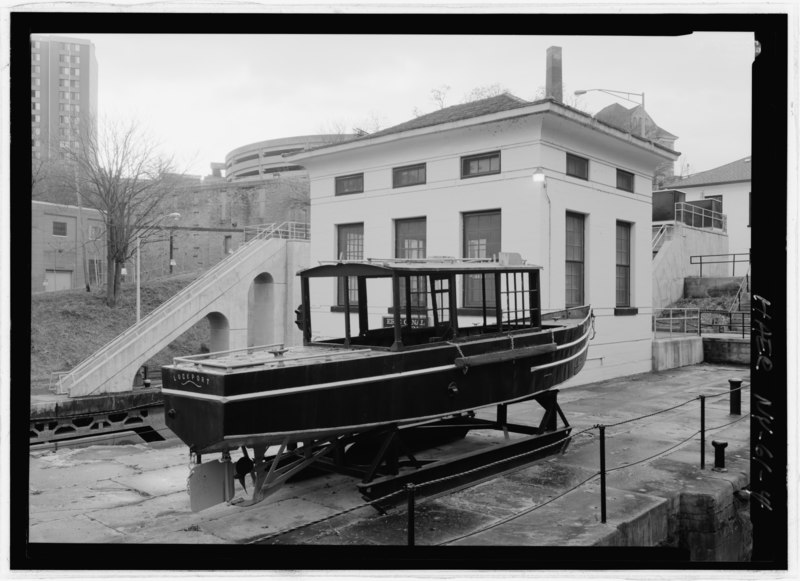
(261, 321)
(219, 332)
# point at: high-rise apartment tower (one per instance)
(63, 92)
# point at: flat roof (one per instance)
(388, 267)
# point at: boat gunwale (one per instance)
(361, 380)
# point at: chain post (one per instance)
(702, 432)
(736, 396)
(602, 473)
(411, 493)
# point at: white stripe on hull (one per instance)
(280, 436)
(355, 381)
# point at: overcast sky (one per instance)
(204, 95)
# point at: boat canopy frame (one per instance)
(508, 276)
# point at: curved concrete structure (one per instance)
(248, 297)
(264, 159)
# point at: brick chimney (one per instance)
(553, 88)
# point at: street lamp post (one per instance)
(619, 94)
(174, 216)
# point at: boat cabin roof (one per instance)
(440, 265)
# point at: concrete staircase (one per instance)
(221, 292)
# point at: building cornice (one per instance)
(537, 108)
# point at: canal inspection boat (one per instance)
(366, 402)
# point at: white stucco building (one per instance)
(730, 184)
(564, 190)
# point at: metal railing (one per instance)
(678, 321)
(702, 259)
(698, 217)
(726, 322)
(744, 286)
(286, 230)
(210, 277)
(663, 233)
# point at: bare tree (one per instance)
(439, 95)
(484, 92)
(120, 173)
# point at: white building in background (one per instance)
(731, 185)
(564, 190)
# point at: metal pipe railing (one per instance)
(697, 217)
(282, 230)
(707, 259)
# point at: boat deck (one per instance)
(271, 357)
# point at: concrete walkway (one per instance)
(137, 493)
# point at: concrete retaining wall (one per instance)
(726, 350)
(697, 288)
(677, 352)
(672, 263)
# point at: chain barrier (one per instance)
(510, 518)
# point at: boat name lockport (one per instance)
(193, 377)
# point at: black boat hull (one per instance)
(220, 412)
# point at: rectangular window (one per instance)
(36, 57)
(577, 167)
(575, 252)
(36, 94)
(95, 232)
(62, 58)
(75, 60)
(36, 118)
(411, 175)
(75, 84)
(74, 96)
(36, 44)
(36, 82)
(349, 246)
(410, 240)
(36, 106)
(624, 180)
(36, 68)
(63, 70)
(59, 228)
(63, 119)
(352, 184)
(480, 165)
(75, 72)
(623, 264)
(481, 240)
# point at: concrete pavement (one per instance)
(657, 493)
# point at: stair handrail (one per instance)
(266, 231)
(658, 239)
(738, 297)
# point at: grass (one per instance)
(68, 326)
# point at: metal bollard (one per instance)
(736, 396)
(410, 488)
(719, 455)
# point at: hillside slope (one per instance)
(68, 326)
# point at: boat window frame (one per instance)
(530, 308)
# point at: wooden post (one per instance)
(363, 319)
(498, 306)
(306, 308)
(451, 281)
(398, 338)
(347, 311)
